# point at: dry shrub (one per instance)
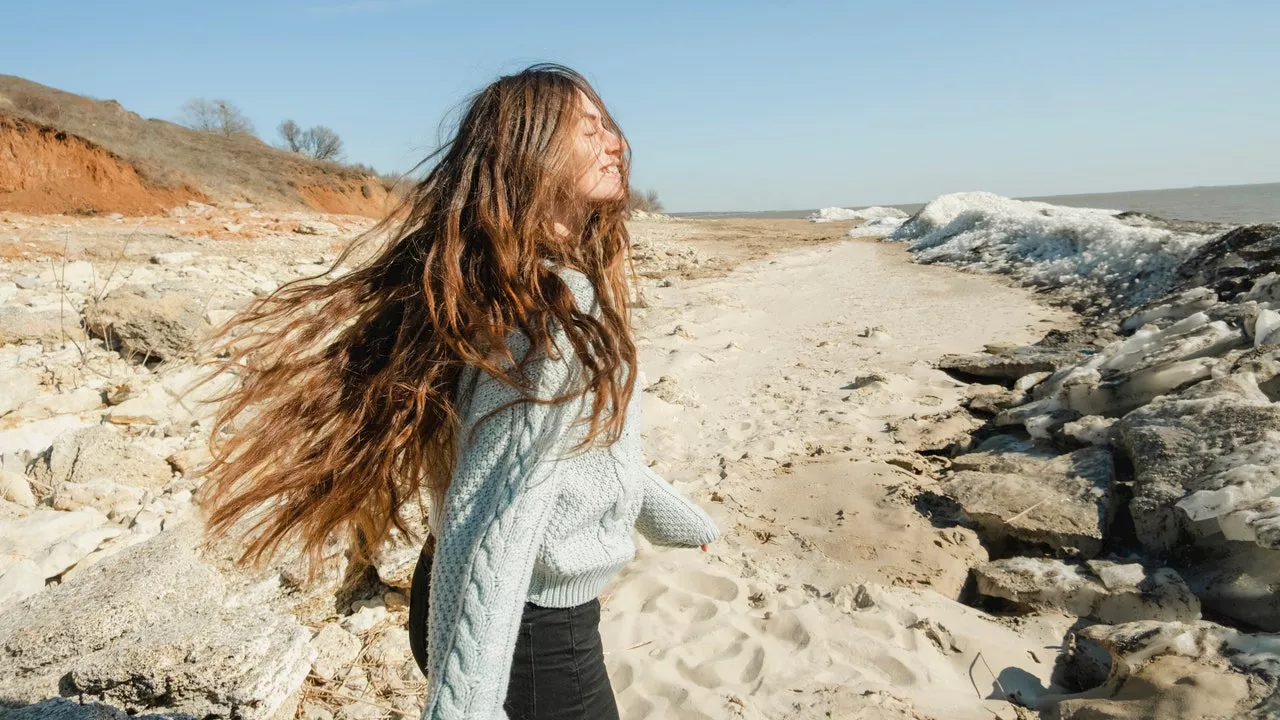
(36, 106)
(646, 201)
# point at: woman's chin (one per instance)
(601, 198)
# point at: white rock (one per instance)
(122, 511)
(20, 581)
(78, 276)
(30, 537)
(80, 400)
(98, 493)
(101, 453)
(147, 522)
(17, 386)
(67, 553)
(162, 637)
(140, 411)
(392, 649)
(364, 620)
(109, 548)
(16, 489)
(34, 437)
(335, 650)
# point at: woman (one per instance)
(471, 351)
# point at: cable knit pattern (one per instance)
(523, 520)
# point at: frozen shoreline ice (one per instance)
(1132, 259)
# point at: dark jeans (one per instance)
(558, 670)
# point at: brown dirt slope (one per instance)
(44, 170)
(61, 152)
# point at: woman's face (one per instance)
(596, 154)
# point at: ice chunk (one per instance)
(882, 227)
(1113, 592)
(1250, 472)
(1090, 429)
(1050, 245)
(875, 212)
(1257, 522)
(1188, 303)
(1266, 329)
(1265, 289)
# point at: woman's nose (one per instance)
(612, 143)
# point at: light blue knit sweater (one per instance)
(522, 520)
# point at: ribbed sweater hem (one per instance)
(561, 592)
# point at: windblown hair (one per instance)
(345, 391)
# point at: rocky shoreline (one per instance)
(1129, 474)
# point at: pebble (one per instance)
(364, 619)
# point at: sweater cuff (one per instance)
(669, 518)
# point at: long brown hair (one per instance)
(345, 390)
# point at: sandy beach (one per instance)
(791, 383)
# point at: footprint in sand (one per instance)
(681, 608)
(704, 583)
(724, 657)
(789, 628)
(621, 676)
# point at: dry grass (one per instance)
(387, 693)
(169, 155)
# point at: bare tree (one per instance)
(323, 143)
(318, 142)
(215, 116)
(291, 134)
(646, 201)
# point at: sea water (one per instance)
(1235, 204)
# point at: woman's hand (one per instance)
(704, 548)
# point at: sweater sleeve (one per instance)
(667, 517)
(495, 514)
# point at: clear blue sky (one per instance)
(729, 104)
